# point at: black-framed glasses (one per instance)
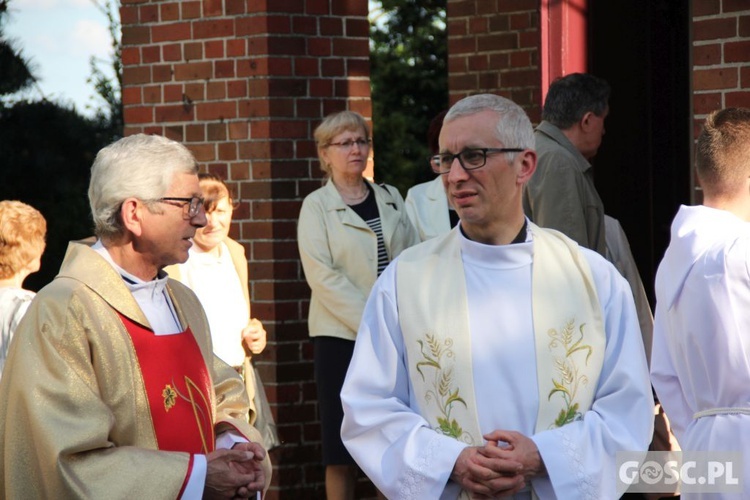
(193, 203)
(362, 143)
(469, 159)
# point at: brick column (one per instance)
(493, 47)
(243, 85)
(721, 59)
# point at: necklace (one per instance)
(353, 199)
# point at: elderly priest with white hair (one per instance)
(111, 388)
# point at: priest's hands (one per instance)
(254, 336)
(235, 473)
(487, 477)
(500, 468)
(512, 445)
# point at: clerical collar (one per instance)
(136, 285)
(521, 237)
(151, 296)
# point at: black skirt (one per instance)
(332, 357)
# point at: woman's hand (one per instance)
(254, 336)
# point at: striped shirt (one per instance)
(368, 211)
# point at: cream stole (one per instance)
(433, 314)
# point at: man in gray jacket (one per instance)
(561, 194)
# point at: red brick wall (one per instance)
(243, 84)
(721, 57)
(493, 47)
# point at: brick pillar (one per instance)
(493, 47)
(243, 85)
(721, 59)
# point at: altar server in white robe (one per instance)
(700, 365)
(499, 358)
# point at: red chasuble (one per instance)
(178, 386)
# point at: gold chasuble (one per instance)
(434, 317)
(87, 387)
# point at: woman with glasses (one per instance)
(217, 271)
(348, 232)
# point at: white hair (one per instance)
(138, 166)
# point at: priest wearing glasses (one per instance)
(111, 389)
(500, 358)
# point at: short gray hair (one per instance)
(514, 128)
(138, 166)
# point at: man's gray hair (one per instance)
(514, 128)
(138, 166)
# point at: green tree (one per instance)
(409, 78)
(46, 152)
(14, 69)
(108, 90)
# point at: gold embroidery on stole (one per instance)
(199, 419)
(571, 375)
(170, 397)
(442, 392)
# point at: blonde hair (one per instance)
(334, 124)
(722, 153)
(22, 236)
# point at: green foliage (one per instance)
(409, 78)
(15, 74)
(47, 149)
(107, 89)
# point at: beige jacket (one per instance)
(339, 254)
(427, 207)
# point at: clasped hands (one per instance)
(502, 467)
(236, 473)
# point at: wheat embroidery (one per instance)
(567, 368)
(443, 394)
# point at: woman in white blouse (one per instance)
(217, 271)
